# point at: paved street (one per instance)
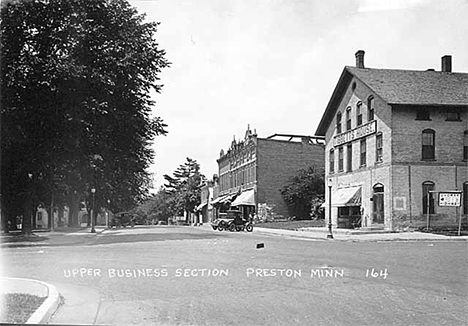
(197, 276)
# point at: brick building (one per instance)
(253, 171)
(394, 139)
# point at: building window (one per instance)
(348, 118)
(340, 159)
(338, 123)
(428, 197)
(370, 108)
(423, 114)
(465, 146)
(453, 115)
(349, 156)
(332, 160)
(379, 148)
(465, 198)
(428, 144)
(363, 152)
(359, 113)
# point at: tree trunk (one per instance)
(28, 216)
(60, 215)
(73, 206)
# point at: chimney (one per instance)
(360, 59)
(447, 63)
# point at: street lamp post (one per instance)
(330, 234)
(93, 191)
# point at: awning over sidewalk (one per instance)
(200, 207)
(216, 201)
(223, 199)
(245, 198)
(345, 197)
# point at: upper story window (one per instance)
(453, 115)
(359, 113)
(338, 123)
(363, 152)
(379, 148)
(349, 156)
(332, 160)
(428, 144)
(465, 146)
(370, 108)
(348, 118)
(340, 159)
(423, 114)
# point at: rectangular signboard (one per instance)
(356, 133)
(450, 198)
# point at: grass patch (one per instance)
(19, 307)
(291, 225)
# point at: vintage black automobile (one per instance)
(122, 219)
(232, 220)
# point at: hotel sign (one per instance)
(356, 133)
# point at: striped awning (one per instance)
(245, 198)
(345, 197)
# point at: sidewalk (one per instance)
(357, 235)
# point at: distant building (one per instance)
(394, 140)
(254, 170)
(205, 209)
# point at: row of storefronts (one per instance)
(392, 142)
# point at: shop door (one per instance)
(378, 205)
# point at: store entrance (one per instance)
(378, 205)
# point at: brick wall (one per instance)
(407, 133)
(277, 162)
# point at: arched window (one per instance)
(358, 113)
(465, 146)
(428, 197)
(332, 160)
(338, 123)
(370, 108)
(465, 198)
(428, 144)
(348, 118)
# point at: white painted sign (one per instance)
(356, 133)
(450, 198)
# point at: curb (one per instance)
(50, 305)
(352, 238)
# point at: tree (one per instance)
(184, 187)
(75, 81)
(305, 190)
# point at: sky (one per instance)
(273, 64)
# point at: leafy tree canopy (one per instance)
(75, 81)
(306, 189)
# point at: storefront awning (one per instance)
(200, 207)
(217, 200)
(345, 197)
(245, 198)
(226, 199)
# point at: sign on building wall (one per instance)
(356, 133)
(450, 198)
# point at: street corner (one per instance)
(42, 315)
